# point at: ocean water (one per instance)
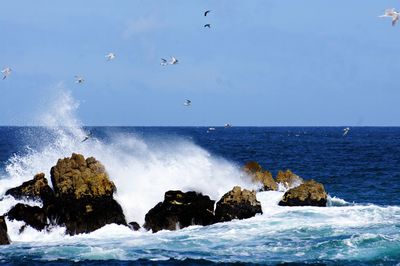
(360, 171)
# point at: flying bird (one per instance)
(164, 62)
(79, 79)
(391, 13)
(110, 56)
(207, 26)
(188, 103)
(206, 13)
(6, 72)
(173, 61)
(345, 131)
(87, 137)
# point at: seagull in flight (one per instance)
(110, 56)
(187, 103)
(79, 79)
(206, 13)
(345, 131)
(6, 72)
(164, 62)
(87, 137)
(173, 61)
(391, 13)
(207, 26)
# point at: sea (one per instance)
(360, 172)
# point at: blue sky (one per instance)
(263, 63)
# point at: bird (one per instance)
(187, 103)
(207, 26)
(6, 72)
(79, 79)
(392, 13)
(110, 56)
(173, 61)
(164, 62)
(87, 137)
(206, 13)
(345, 131)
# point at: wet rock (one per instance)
(310, 193)
(179, 210)
(4, 239)
(260, 176)
(33, 216)
(84, 196)
(35, 189)
(237, 204)
(288, 179)
(134, 226)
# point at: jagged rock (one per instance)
(134, 226)
(4, 239)
(258, 175)
(179, 210)
(84, 196)
(310, 193)
(237, 204)
(288, 179)
(35, 189)
(33, 216)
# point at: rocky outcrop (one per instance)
(35, 189)
(134, 226)
(83, 196)
(310, 193)
(260, 176)
(4, 239)
(288, 179)
(33, 216)
(179, 210)
(237, 204)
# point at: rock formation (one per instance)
(288, 179)
(4, 239)
(260, 176)
(310, 193)
(32, 215)
(179, 210)
(237, 204)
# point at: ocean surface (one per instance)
(360, 171)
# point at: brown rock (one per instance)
(310, 193)
(258, 175)
(4, 239)
(237, 204)
(288, 179)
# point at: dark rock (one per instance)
(134, 226)
(260, 176)
(310, 193)
(84, 196)
(237, 204)
(179, 210)
(288, 179)
(4, 239)
(35, 189)
(32, 215)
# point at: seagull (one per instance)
(6, 72)
(173, 61)
(79, 79)
(345, 131)
(207, 26)
(164, 62)
(392, 13)
(206, 13)
(110, 56)
(87, 137)
(187, 103)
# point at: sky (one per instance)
(262, 63)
